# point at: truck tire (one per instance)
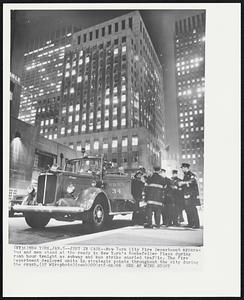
(98, 215)
(36, 220)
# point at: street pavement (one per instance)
(120, 233)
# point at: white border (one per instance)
(221, 268)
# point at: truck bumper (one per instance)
(47, 209)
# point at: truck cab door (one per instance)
(118, 190)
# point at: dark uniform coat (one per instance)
(154, 189)
(137, 188)
(177, 192)
(190, 190)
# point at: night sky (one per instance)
(28, 24)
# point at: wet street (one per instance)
(120, 232)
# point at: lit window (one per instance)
(77, 117)
(106, 124)
(79, 79)
(105, 145)
(67, 65)
(115, 123)
(107, 91)
(42, 123)
(181, 125)
(115, 100)
(115, 111)
(80, 61)
(67, 74)
(106, 101)
(87, 59)
(115, 89)
(62, 130)
(96, 145)
(74, 63)
(123, 88)
(87, 146)
(70, 119)
(124, 141)
(46, 122)
(106, 113)
(99, 114)
(134, 140)
(77, 107)
(91, 115)
(50, 137)
(84, 116)
(76, 128)
(41, 131)
(55, 136)
(183, 156)
(71, 108)
(114, 143)
(123, 122)
(123, 98)
(73, 72)
(200, 111)
(78, 147)
(116, 51)
(51, 121)
(123, 109)
(72, 90)
(182, 136)
(83, 128)
(123, 49)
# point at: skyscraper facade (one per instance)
(112, 94)
(15, 90)
(190, 80)
(42, 78)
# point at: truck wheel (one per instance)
(36, 220)
(98, 216)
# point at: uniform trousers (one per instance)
(156, 209)
(192, 216)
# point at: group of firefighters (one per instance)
(158, 195)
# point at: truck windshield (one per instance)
(84, 165)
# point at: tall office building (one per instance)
(15, 90)
(112, 94)
(42, 77)
(190, 80)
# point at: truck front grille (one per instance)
(46, 188)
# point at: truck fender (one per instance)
(88, 196)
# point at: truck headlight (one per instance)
(70, 189)
(30, 189)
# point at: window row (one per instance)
(105, 30)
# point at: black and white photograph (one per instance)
(121, 149)
(107, 127)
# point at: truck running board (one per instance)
(47, 209)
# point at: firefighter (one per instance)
(154, 197)
(167, 199)
(177, 202)
(137, 191)
(191, 196)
